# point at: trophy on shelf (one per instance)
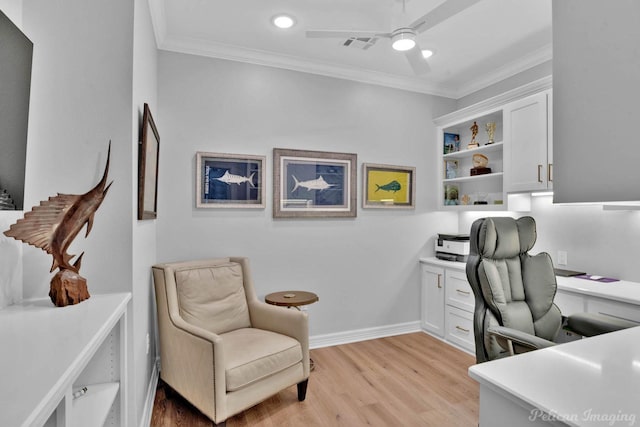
(491, 131)
(474, 132)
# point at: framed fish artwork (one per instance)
(313, 184)
(229, 180)
(387, 186)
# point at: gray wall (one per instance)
(365, 270)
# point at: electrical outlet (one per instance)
(148, 341)
(562, 257)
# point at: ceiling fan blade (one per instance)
(441, 13)
(345, 34)
(417, 61)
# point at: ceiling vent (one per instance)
(362, 43)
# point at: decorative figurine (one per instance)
(474, 132)
(52, 226)
(480, 162)
(491, 131)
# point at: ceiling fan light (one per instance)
(403, 41)
(283, 21)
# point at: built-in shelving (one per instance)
(49, 352)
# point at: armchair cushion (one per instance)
(212, 297)
(252, 354)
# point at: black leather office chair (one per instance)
(514, 292)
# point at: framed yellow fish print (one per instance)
(313, 184)
(386, 186)
(229, 180)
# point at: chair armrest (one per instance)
(521, 338)
(591, 324)
(192, 362)
(291, 322)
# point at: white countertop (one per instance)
(579, 383)
(621, 290)
(443, 263)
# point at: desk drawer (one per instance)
(458, 291)
(459, 324)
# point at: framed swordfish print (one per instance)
(386, 186)
(229, 180)
(313, 184)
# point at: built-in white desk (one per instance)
(590, 382)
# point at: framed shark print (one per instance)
(229, 180)
(313, 184)
(386, 186)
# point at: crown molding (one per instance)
(271, 59)
(510, 69)
(495, 102)
(200, 47)
(158, 20)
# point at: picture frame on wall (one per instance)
(313, 184)
(229, 180)
(148, 153)
(388, 186)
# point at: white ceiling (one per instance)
(481, 45)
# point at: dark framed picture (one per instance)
(386, 186)
(451, 142)
(229, 180)
(313, 184)
(149, 150)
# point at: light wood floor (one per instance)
(405, 380)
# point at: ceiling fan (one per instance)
(404, 38)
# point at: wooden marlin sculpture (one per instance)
(52, 226)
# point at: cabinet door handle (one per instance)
(463, 292)
(439, 285)
(460, 328)
(550, 172)
(539, 170)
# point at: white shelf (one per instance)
(486, 176)
(483, 149)
(92, 408)
(46, 348)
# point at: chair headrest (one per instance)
(505, 237)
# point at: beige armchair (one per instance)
(220, 347)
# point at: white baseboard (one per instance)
(327, 340)
(145, 421)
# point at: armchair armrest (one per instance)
(521, 338)
(591, 324)
(293, 323)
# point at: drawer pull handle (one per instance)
(463, 292)
(460, 328)
(539, 170)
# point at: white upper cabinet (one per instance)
(527, 153)
(596, 93)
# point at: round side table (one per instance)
(293, 299)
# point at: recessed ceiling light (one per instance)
(283, 21)
(426, 53)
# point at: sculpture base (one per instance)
(68, 288)
(472, 144)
